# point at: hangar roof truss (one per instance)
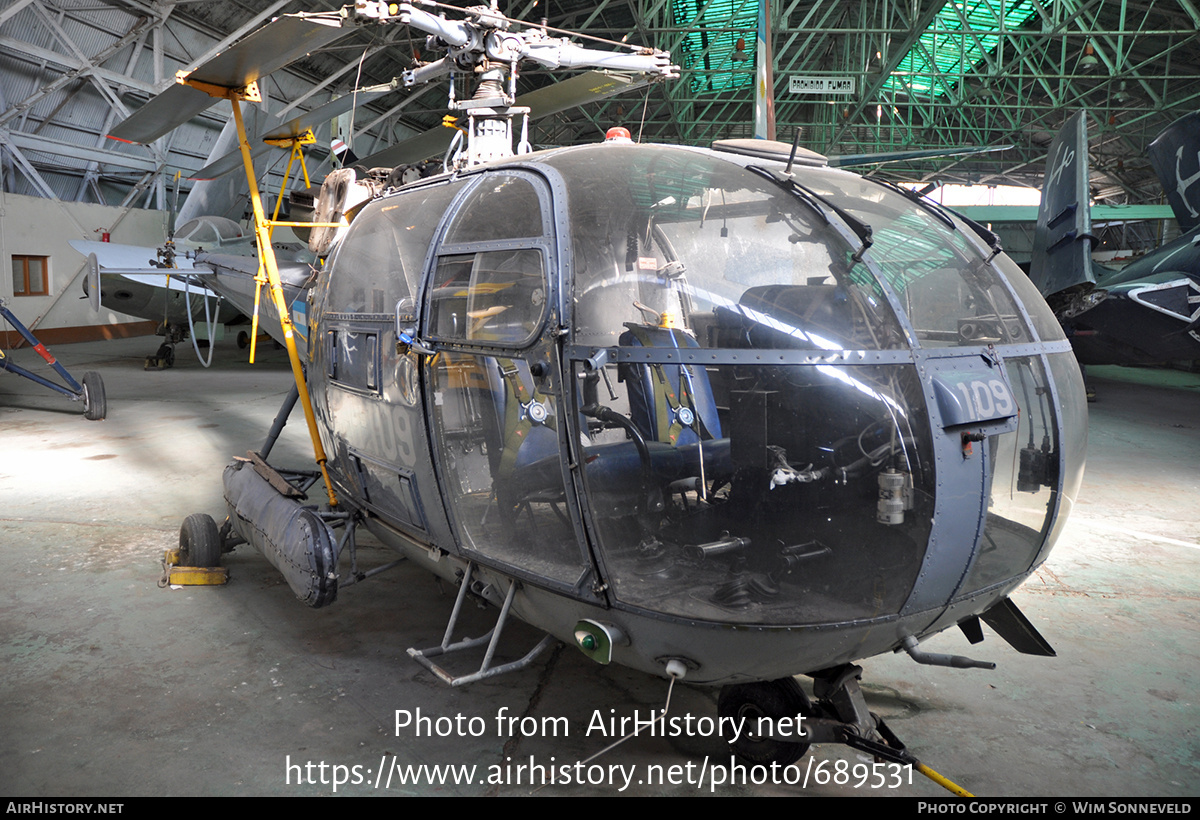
(925, 73)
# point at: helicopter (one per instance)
(725, 415)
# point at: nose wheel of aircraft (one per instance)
(773, 702)
(164, 358)
(200, 541)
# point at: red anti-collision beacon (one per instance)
(618, 134)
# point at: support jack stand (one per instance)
(840, 715)
(491, 638)
(844, 717)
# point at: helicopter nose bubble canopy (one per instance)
(669, 389)
(757, 392)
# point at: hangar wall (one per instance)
(40, 229)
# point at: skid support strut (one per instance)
(491, 638)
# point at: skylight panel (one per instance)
(707, 49)
(947, 50)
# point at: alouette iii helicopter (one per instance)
(724, 415)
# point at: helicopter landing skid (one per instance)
(491, 638)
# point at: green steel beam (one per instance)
(1100, 213)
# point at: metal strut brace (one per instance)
(300, 481)
(349, 543)
(281, 419)
(491, 638)
(75, 393)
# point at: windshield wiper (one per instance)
(942, 212)
(988, 235)
(929, 205)
(815, 201)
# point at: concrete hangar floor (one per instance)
(111, 686)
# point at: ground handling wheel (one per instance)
(95, 404)
(777, 700)
(200, 541)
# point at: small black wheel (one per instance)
(200, 541)
(243, 340)
(169, 358)
(776, 699)
(95, 405)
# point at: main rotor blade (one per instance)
(323, 113)
(292, 128)
(851, 160)
(230, 162)
(587, 87)
(273, 46)
(171, 108)
(581, 89)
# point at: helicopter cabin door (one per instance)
(491, 313)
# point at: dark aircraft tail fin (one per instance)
(1062, 245)
(1175, 155)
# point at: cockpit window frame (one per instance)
(978, 252)
(442, 250)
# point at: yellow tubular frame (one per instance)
(266, 255)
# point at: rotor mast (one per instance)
(485, 44)
(489, 46)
